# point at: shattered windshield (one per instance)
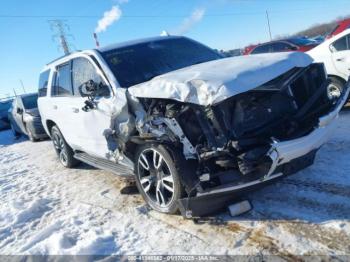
(141, 62)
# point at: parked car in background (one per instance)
(24, 117)
(5, 104)
(248, 49)
(194, 129)
(318, 39)
(284, 45)
(340, 27)
(334, 53)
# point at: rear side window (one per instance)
(63, 83)
(261, 49)
(342, 43)
(281, 47)
(43, 81)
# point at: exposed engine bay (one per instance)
(237, 133)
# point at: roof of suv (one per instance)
(135, 42)
(119, 45)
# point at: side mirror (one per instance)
(91, 89)
(19, 111)
(88, 89)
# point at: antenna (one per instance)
(60, 28)
(22, 86)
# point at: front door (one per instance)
(341, 55)
(89, 125)
(17, 114)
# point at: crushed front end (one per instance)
(246, 140)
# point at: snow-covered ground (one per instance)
(47, 209)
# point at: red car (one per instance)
(340, 27)
(248, 49)
(285, 45)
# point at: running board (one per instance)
(105, 164)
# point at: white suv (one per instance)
(335, 54)
(194, 129)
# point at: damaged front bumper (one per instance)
(287, 157)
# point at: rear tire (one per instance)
(157, 177)
(64, 151)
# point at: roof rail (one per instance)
(62, 57)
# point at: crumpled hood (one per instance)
(214, 81)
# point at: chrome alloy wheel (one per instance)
(60, 148)
(155, 177)
(333, 91)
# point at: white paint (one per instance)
(336, 62)
(212, 82)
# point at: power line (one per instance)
(160, 16)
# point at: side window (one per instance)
(63, 84)
(43, 80)
(342, 44)
(261, 49)
(280, 47)
(83, 71)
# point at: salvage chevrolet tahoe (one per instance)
(194, 129)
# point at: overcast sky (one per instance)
(27, 42)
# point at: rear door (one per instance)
(341, 55)
(62, 95)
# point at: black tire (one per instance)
(335, 89)
(154, 183)
(14, 132)
(64, 151)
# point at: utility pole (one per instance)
(268, 24)
(59, 27)
(22, 86)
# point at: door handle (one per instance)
(54, 107)
(340, 59)
(75, 110)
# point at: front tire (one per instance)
(64, 151)
(335, 89)
(157, 177)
